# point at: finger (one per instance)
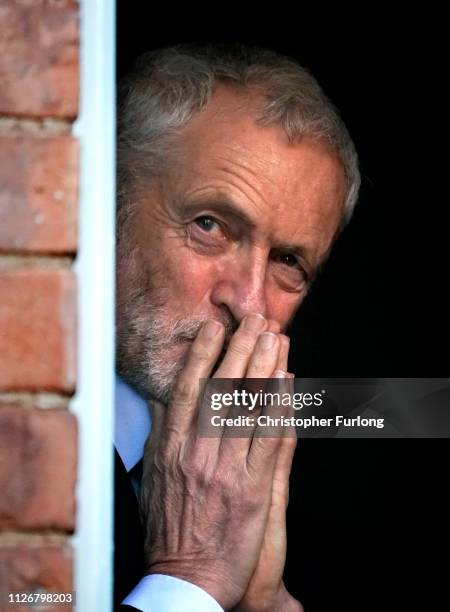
(201, 358)
(265, 356)
(288, 444)
(267, 437)
(283, 355)
(282, 362)
(261, 365)
(283, 466)
(235, 361)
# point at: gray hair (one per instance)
(169, 86)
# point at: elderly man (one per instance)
(235, 175)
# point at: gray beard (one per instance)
(144, 347)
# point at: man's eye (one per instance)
(287, 259)
(207, 224)
(289, 271)
(206, 232)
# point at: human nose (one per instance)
(242, 289)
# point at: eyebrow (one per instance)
(228, 207)
(222, 205)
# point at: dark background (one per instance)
(367, 519)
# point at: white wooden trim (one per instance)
(93, 403)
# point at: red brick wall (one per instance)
(38, 241)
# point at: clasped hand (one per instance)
(214, 509)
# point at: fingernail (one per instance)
(253, 322)
(280, 374)
(267, 340)
(211, 329)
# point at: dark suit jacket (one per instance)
(128, 536)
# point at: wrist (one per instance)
(212, 580)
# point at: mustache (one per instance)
(188, 328)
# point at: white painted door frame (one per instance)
(94, 400)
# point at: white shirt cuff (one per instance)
(161, 593)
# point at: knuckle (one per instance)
(242, 344)
(260, 366)
(202, 353)
(194, 477)
(167, 455)
(249, 504)
(289, 442)
(195, 466)
(184, 392)
(222, 481)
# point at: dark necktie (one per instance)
(135, 475)
(129, 537)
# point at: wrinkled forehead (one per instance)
(228, 130)
(224, 150)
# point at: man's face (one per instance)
(239, 225)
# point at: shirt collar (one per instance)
(132, 424)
